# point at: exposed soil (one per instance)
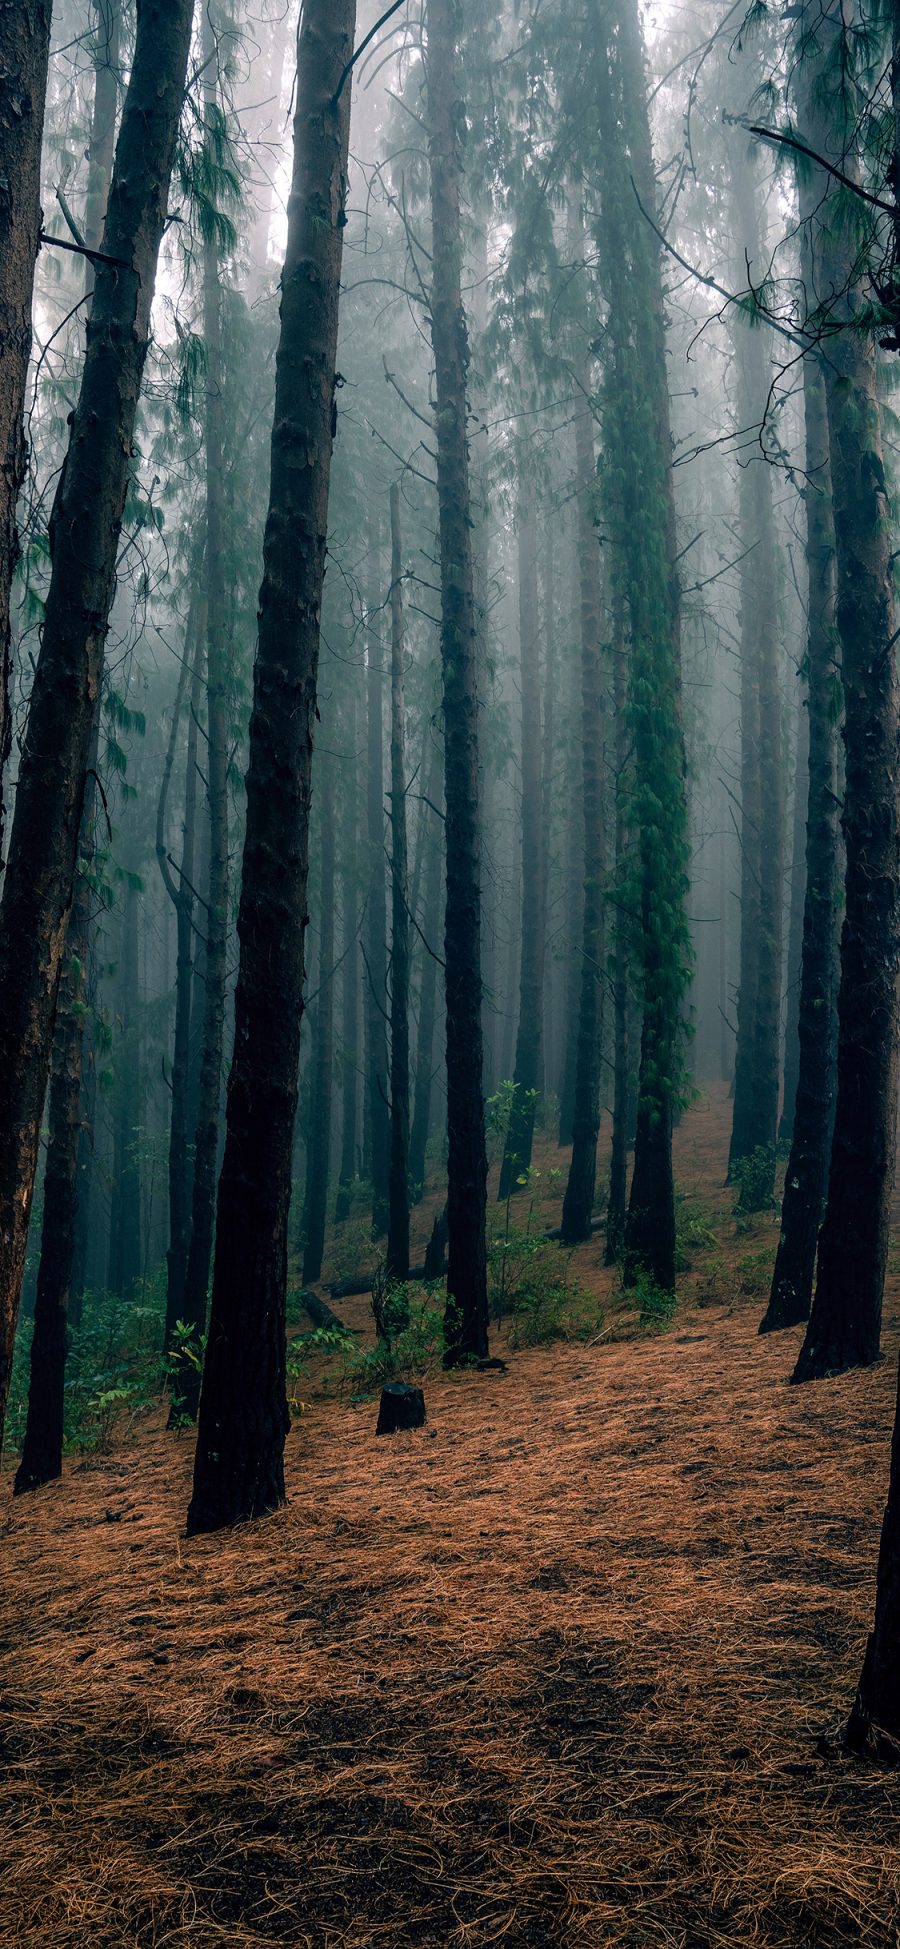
(561, 1669)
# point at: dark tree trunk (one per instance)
(574, 903)
(807, 1170)
(85, 529)
(639, 434)
(618, 1164)
(42, 1448)
(845, 1322)
(431, 928)
(578, 1202)
(24, 54)
(397, 1258)
(209, 1091)
(125, 1218)
(70, 1116)
(239, 1466)
(181, 894)
(349, 983)
(795, 921)
(529, 1035)
(548, 769)
(377, 1112)
(755, 1120)
(874, 1725)
(466, 1320)
(315, 1204)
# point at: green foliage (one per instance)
(753, 1274)
(114, 1372)
(327, 1340)
(415, 1314)
(184, 1360)
(657, 1307)
(694, 1230)
(753, 1178)
(530, 1284)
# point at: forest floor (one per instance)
(563, 1668)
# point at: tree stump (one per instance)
(401, 1407)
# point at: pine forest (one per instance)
(449, 974)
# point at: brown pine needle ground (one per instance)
(558, 1670)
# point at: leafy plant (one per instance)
(694, 1231)
(657, 1306)
(753, 1180)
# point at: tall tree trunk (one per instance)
(529, 1035)
(125, 1220)
(349, 982)
(315, 1204)
(548, 770)
(85, 528)
(377, 1144)
(874, 1724)
(755, 1119)
(466, 1319)
(578, 1202)
(807, 1170)
(206, 1138)
(105, 55)
(639, 435)
(431, 927)
(42, 1448)
(181, 894)
(397, 1259)
(618, 1164)
(795, 920)
(574, 895)
(70, 1114)
(243, 1421)
(845, 1322)
(24, 55)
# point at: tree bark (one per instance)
(795, 921)
(85, 527)
(105, 55)
(24, 55)
(578, 1202)
(757, 1066)
(42, 1447)
(466, 1318)
(377, 1145)
(209, 1093)
(874, 1725)
(807, 1170)
(349, 984)
(397, 1257)
(845, 1322)
(125, 1216)
(528, 1064)
(431, 929)
(638, 431)
(617, 1205)
(315, 1204)
(181, 894)
(243, 1420)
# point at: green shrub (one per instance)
(694, 1230)
(753, 1179)
(657, 1307)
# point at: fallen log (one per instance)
(320, 1312)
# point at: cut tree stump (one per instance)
(401, 1407)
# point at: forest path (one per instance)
(553, 1671)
